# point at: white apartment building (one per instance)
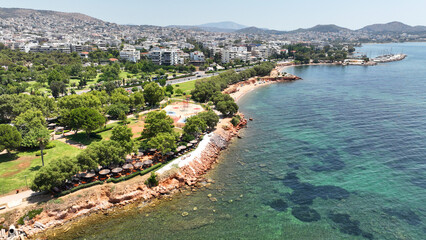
(197, 56)
(232, 53)
(165, 57)
(129, 53)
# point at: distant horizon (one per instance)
(249, 13)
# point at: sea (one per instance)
(340, 154)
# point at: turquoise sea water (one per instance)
(340, 154)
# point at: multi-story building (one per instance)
(165, 57)
(197, 56)
(129, 53)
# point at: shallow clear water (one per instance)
(338, 155)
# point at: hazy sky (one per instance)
(273, 14)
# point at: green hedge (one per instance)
(103, 129)
(141, 173)
(83, 186)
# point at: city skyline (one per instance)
(273, 15)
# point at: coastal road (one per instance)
(200, 75)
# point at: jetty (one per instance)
(389, 58)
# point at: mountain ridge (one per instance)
(26, 12)
(394, 27)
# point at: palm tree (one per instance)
(43, 137)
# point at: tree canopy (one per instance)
(210, 118)
(55, 174)
(123, 135)
(163, 142)
(157, 122)
(194, 125)
(10, 138)
(153, 93)
(102, 153)
(87, 119)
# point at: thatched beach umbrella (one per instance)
(193, 142)
(138, 165)
(117, 170)
(189, 145)
(127, 166)
(147, 163)
(89, 175)
(104, 172)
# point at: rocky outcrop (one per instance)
(110, 195)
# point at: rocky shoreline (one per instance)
(60, 214)
(103, 198)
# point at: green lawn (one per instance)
(96, 137)
(14, 168)
(185, 87)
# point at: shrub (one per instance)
(152, 180)
(50, 145)
(235, 120)
(38, 153)
(30, 215)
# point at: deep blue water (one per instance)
(340, 154)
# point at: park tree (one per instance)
(12, 105)
(118, 110)
(227, 108)
(40, 137)
(163, 142)
(204, 90)
(137, 100)
(123, 135)
(194, 126)
(55, 76)
(102, 153)
(55, 174)
(57, 88)
(120, 95)
(210, 118)
(28, 124)
(218, 96)
(157, 122)
(10, 138)
(85, 118)
(88, 100)
(179, 91)
(169, 88)
(153, 93)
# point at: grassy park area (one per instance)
(14, 167)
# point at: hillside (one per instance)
(323, 29)
(223, 25)
(255, 30)
(21, 12)
(393, 27)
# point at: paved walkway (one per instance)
(15, 198)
